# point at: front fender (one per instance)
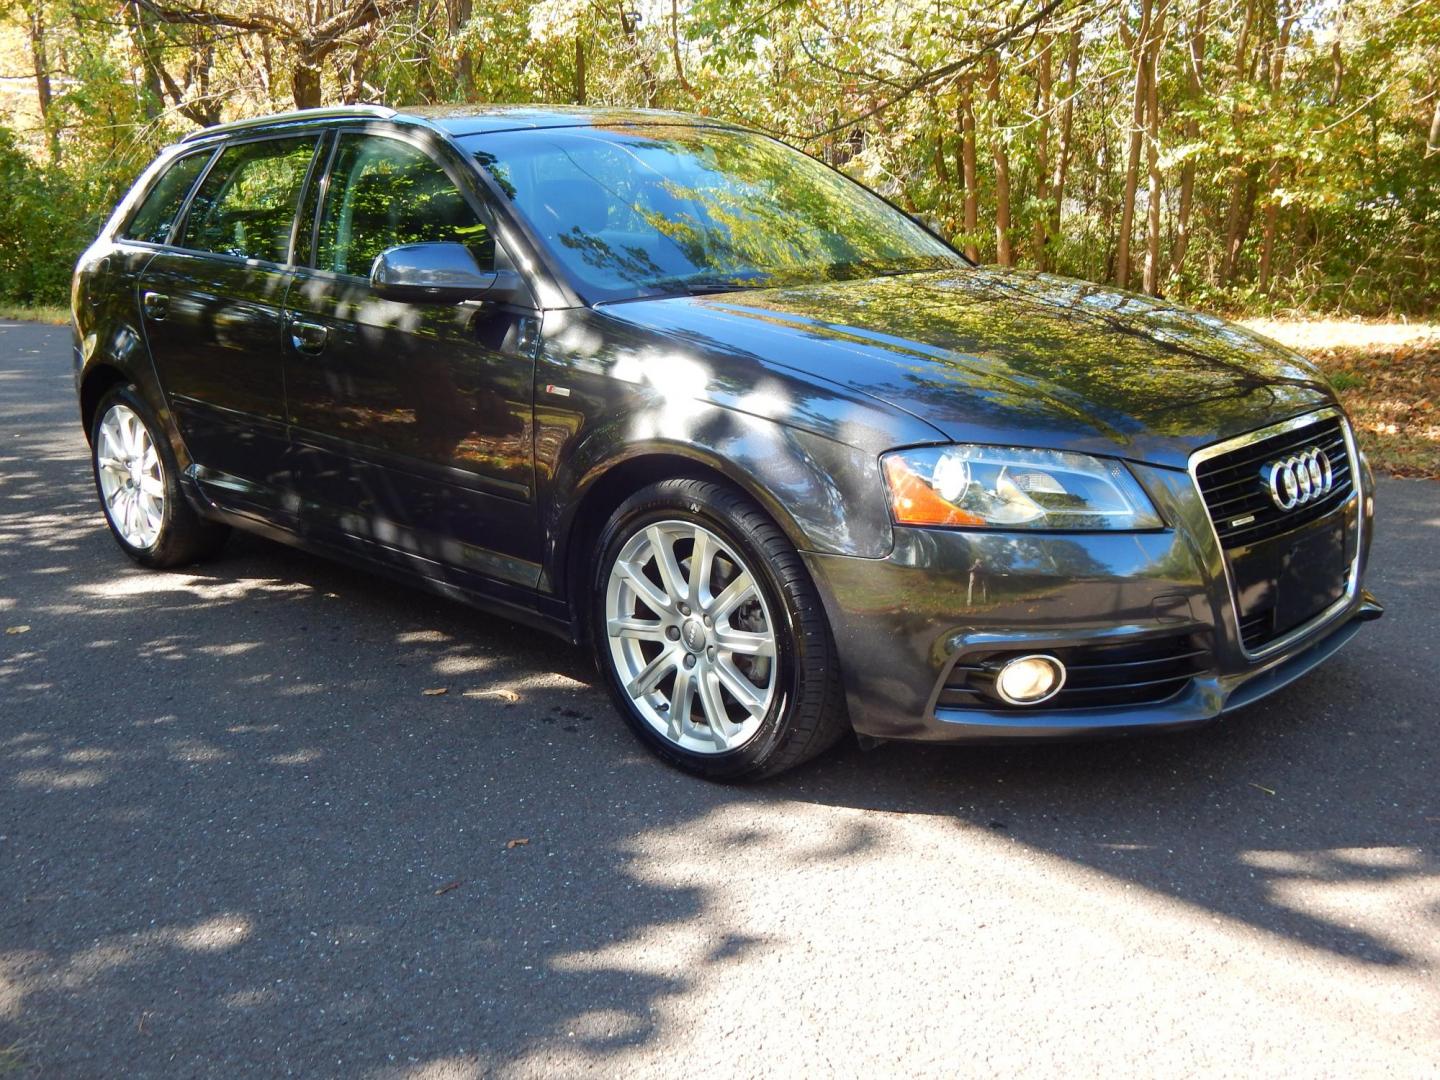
(608, 395)
(826, 496)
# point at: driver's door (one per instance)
(411, 423)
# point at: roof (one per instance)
(474, 119)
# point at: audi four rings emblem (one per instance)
(1299, 478)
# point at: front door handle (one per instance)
(308, 337)
(155, 305)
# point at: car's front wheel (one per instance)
(138, 481)
(711, 635)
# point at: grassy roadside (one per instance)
(1388, 376)
(41, 313)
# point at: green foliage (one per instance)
(44, 225)
(1303, 140)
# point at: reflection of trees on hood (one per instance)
(1003, 338)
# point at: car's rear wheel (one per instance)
(711, 635)
(138, 482)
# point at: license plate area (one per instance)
(1283, 582)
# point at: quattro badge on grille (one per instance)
(1299, 478)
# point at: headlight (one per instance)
(1004, 487)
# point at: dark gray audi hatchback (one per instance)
(788, 463)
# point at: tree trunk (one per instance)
(1432, 145)
(1003, 255)
(1272, 179)
(36, 29)
(1242, 184)
(305, 81)
(1194, 79)
(1271, 220)
(967, 167)
(1045, 103)
(1132, 157)
(1337, 68)
(1237, 222)
(579, 70)
(149, 63)
(1067, 125)
(1152, 156)
(675, 47)
(460, 12)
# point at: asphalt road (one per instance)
(237, 838)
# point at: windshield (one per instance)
(658, 210)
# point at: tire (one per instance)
(755, 596)
(138, 482)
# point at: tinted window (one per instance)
(638, 211)
(158, 212)
(385, 192)
(246, 205)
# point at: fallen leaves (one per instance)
(17, 629)
(1390, 393)
(436, 691)
(510, 845)
(449, 886)
(1262, 787)
(509, 697)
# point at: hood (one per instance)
(1011, 358)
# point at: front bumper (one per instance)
(906, 624)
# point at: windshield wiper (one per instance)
(716, 287)
(703, 286)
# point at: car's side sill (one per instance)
(516, 603)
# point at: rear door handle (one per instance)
(155, 305)
(308, 337)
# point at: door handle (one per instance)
(308, 337)
(155, 305)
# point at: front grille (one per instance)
(1238, 497)
(1136, 672)
(1257, 629)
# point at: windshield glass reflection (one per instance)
(649, 211)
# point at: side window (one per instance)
(158, 212)
(385, 192)
(246, 206)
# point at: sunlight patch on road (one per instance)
(966, 908)
(1389, 894)
(59, 779)
(461, 665)
(298, 757)
(192, 751)
(33, 972)
(130, 586)
(214, 935)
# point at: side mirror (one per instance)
(438, 273)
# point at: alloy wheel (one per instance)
(691, 637)
(132, 478)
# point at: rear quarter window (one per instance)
(157, 213)
(246, 204)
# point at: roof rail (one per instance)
(336, 112)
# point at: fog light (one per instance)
(1029, 680)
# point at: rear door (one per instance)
(212, 307)
(106, 292)
(412, 422)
